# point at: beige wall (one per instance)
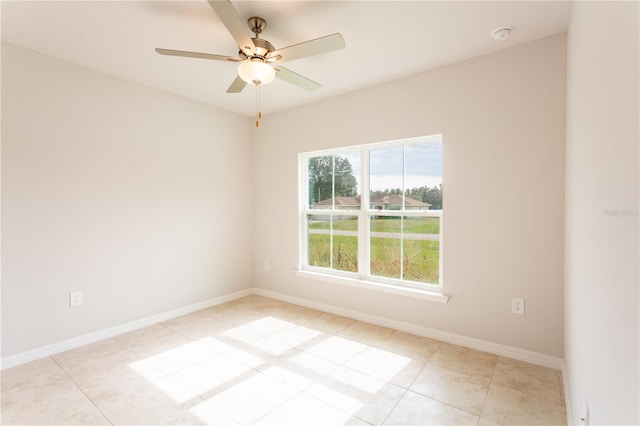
(601, 281)
(117, 190)
(502, 117)
(112, 188)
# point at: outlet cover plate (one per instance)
(517, 306)
(75, 298)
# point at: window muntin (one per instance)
(332, 242)
(385, 246)
(406, 248)
(374, 212)
(332, 181)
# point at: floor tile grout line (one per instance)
(408, 389)
(235, 418)
(379, 346)
(193, 340)
(529, 394)
(250, 367)
(83, 392)
(493, 372)
(299, 391)
(424, 366)
(394, 406)
(303, 321)
(344, 365)
(162, 375)
(438, 400)
(310, 395)
(560, 400)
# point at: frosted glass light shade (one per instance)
(256, 72)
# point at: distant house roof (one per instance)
(339, 201)
(396, 200)
(392, 200)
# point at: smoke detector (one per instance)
(501, 34)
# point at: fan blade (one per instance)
(309, 48)
(296, 79)
(187, 54)
(237, 85)
(236, 26)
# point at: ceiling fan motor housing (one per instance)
(263, 47)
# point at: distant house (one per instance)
(377, 202)
(394, 202)
(341, 203)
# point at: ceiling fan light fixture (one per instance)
(255, 71)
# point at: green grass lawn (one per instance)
(420, 261)
(339, 225)
(345, 252)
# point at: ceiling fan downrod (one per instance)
(256, 25)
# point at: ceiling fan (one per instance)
(258, 59)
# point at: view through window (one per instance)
(374, 212)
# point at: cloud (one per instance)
(420, 164)
(420, 159)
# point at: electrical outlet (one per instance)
(267, 265)
(75, 298)
(517, 306)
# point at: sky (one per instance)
(422, 166)
(392, 182)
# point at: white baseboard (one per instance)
(494, 348)
(65, 345)
(456, 339)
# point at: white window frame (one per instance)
(363, 277)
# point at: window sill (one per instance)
(431, 295)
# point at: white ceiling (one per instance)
(385, 40)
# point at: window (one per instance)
(374, 212)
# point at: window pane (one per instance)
(333, 242)
(319, 237)
(346, 185)
(333, 181)
(423, 176)
(345, 243)
(385, 181)
(385, 246)
(421, 249)
(320, 171)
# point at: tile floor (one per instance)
(258, 361)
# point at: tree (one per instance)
(433, 196)
(331, 176)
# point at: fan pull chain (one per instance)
(258, 112)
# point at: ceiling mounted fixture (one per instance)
(258, 58)
(256, 72)
(501, 34)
